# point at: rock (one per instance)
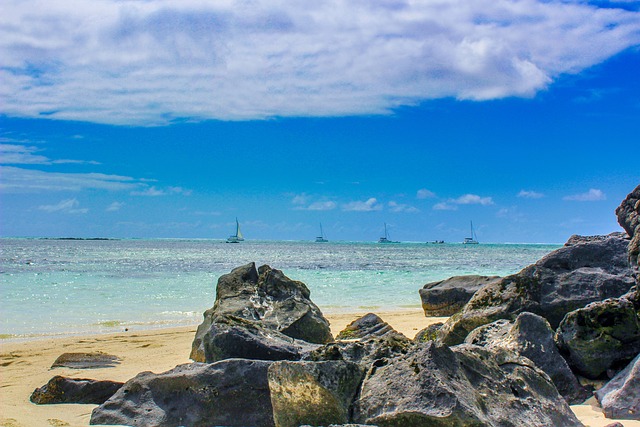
(564, 280)
(616, 424)
(620, 397)
(461, 386)
(314, 393)
(603, 335)
(628, 214)
(74, 390)
(532, 337)
(232, 392)
(430, 333)
(86, 360)
(267, 298)
(369, 325)
(447, 297)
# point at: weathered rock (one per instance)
(447, 297)
(603, 335)
(620, 397)
(564, 280)
(628, 214)
(369, 325)
(462, 386)
(61, 389)
(532, 337)
(267, 298)
(232, 392)
(86, 360)
(430, 333)
(314, 393)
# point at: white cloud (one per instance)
(526, 194)
(398, 207)
(66, 206)
(15, 154)
(473, 199)
(423, 193)
(593, 195)
(322, 206)
(128, 61)
(443, 206)
(115, 206)
(303, 203)
(369, 205)
(156, 192)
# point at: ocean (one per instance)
(53, 287)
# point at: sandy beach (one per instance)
(26, 366)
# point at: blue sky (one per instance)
(171, 118)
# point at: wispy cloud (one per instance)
(70, 206)
(444, 206)
(527, 194)
(368, 205)
(285, 58)
(423, 193)
(593, 195)
(153, 191)
(15, 154)
(305, 203)
(115, 206)
(473, 199)
(399, 207)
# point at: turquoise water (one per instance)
(61, 287)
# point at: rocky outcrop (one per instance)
(628, 214)
(461, 386)
(233, 392)
(369, 325)
(86, 360)
(447, 297)
(620, 397)
(564, 280)
(74, 390)
(603, 335)
(268, 299)
(531, 336)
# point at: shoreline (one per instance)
(26, 366)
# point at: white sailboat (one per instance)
(321, 238)
(385, 238)
(236, 238)
(473, 240)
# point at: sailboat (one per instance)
(236, 238)
(385, 239)
(473, 240)
(321, 238)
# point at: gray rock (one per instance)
(620, 397)
(447, 297)
(564, 280)
(628, 214)
(430, 333)
(86, 361)
(369, 325)
(268, 299)
(314, 393)
(233, 392)
(603, 335)
(532, 337)
(461, 386)
(74, 390)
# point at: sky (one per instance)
(170, 118)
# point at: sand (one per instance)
(25, 366)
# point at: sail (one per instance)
(238, 232)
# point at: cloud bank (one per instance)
(153, 62)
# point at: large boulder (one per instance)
(585, 271)
(620, 397)
(314, 393)
(601, 336)
(61, 389)
(233, 392)
(531, 336)
(268, 299)
(369, 325)
(462, 386)
(447, 297)
(628, 214)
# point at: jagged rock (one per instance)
(86, 360)
(461, 386)
(267, 298)
(603, 335)
(620, 397)
(564, 280)
(369, 325)
(532, 337)
(447, 297)
(232, 392)
(74, 390)
(430, 333)
(314, 393)
(628, 214)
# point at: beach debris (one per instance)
(447, 297)
(620, 397)
(267, 298)
(86, 360)
(61, 389)
(531, 336)
(369, 325)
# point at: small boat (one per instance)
(321, 238)
(236, 238)
(473, 240)
(385, 239)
